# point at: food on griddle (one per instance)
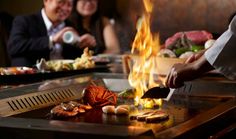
(157, 118)
(119, 110)
(151, 116)
(99, 96)
(109, 109)
(81, 110)
(69, 109)
(143, 116)
(58, 111)
(76, 104)
(133, 117)
(127, 107)
(86, 107)
(128, 93)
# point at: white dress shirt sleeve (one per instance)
(222, 55)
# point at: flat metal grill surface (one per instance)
(193, 106)
(32, 101)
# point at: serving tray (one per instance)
(41, 76)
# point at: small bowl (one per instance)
(163, 64)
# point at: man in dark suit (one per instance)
(40, 35)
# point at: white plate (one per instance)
(64, 61)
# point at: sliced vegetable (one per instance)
(196, 48)
(180, 51)
(166, 53)
(128, 93)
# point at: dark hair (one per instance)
(76, 18)
(95, 26)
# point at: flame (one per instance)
(146, 46)
(148, 5)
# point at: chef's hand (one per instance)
(87, 40)
(195, 56)
(178, 74)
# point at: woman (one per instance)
(96, 31)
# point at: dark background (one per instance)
(169, 17)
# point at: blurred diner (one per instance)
(5, 28)
(39, 35)
(95, 30)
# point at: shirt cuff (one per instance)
(50, 43)
(222, 54)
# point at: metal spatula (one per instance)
(158, 92)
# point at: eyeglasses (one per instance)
(84, 1)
